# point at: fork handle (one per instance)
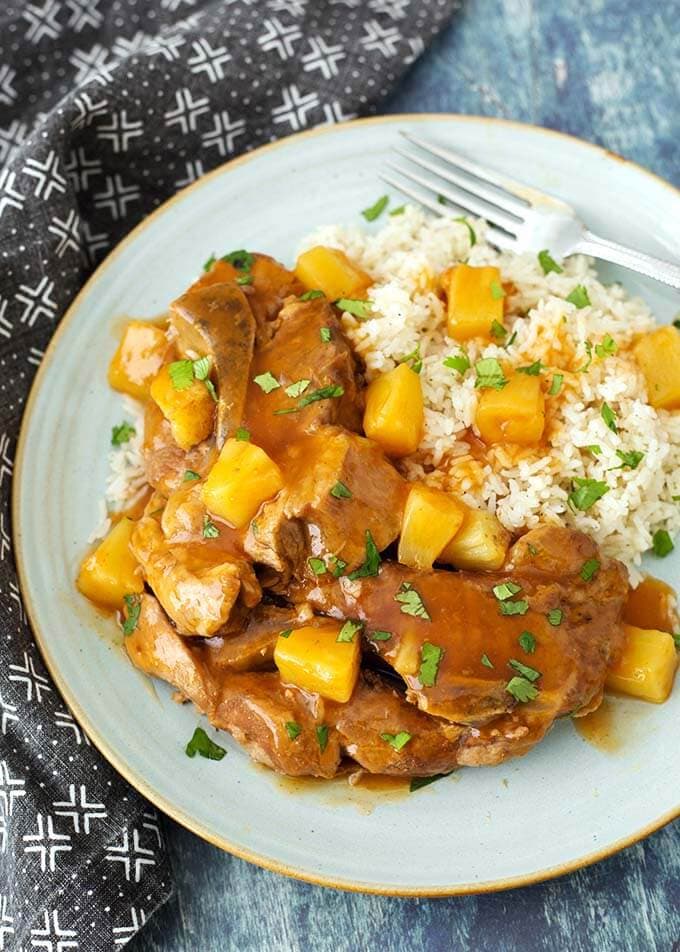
(606, 250)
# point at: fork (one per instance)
(520, 218)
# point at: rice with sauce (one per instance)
(522, 485)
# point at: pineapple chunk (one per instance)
(138, 359)
(480, 544)
(111, 571)
(313, 659)
(394, 411)
(431, 519)
(475, 301)
(515, 414)
(647, 666)
(190, 412)
(331, 271)
(658, 355)
(240, 481)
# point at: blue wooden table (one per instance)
(608, 71)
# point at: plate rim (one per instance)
(137, 780)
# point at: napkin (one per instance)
(107, 107)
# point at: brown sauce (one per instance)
(652, 605)
(602, 728)
(365, 793)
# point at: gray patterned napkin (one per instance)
(106, 108)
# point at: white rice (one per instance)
(523, 486)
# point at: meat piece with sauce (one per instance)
(339, 486)
(473, 635)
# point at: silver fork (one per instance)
(520, 218)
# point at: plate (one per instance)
(566, 804)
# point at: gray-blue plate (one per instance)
(568, 802)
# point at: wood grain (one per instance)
(608, 71)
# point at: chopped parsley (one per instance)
(210, 530)
(266, 382)
(497, 330)
(459, 362)
(506, 590)
(410, 602)
(209, 262)
(371, 564)
(593, 448)
(293, 730)
(490, 374)
(397, 740)
(339, 565)
(323, 393)
(348, 631)
(398, 211)
(379, 635)
(486, 661)
(556, 385)
(430, 659)
(133, 606)
(589, 353)
(340, 491)
(190, 475)
(555, 616)
(607, 347)
(417, 783)
(360, 309)
(579, 297)
(548, 263)
(298, 388)
(531, 674)
(527, 642)
(322, 737)
(201, 744)
(586, 492)
(242, 434)
(318, 566)
(662, 543)
(589, 569)
(311, 295)
(242, 260)
(121, 433)
(609, 417)
(376, 210)
(286, 633)
(201, 368)
(471, 232)
(520, 607)
(533, 370)
(630, 459)
(521, 689)
(181, 373)
(244, 279)
(497, 292)
(414, 360)
(325, 335)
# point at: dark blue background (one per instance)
(608, 71)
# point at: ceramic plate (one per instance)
(569, 801)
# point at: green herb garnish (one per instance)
(662, 544)
(588, 346)
(286, 633)
(209, 262)
(414, 360)
(242, 260)
(506, 590)
(430, 659)
(360, 309)
(266, 382)
(410, 602)
(548, 263)
(348, 631)
(121, 433)
(298, 388)
(586, 492)
(589, 569)
(630, 459)
(379, 635)
(593, 448)
(201, 744)
(459, 362)
(606, 347)
(579, 297)
(533, 370)
(527, 642)
(210, 530)
(497, 292)
(311, 295)
(521, 689)
(397, 740)
(489, 374)
(497, 330)
(323, 393)
(486, 661)
(398, 211)
(471, 232)
(556, 385)
(242, 434)
(371, 564)
(520, 607)
(325, 334)
(244, 279)
(181, 373)
(340, 491)
(133, 606)
(318, 566)
(293, 730)
(609, 417)
(376, 210)
(531, 674)
(555, 616)
(322, 737)
(190, 475)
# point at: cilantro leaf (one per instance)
(133, 606)
(410, 602)
(489, 374)
(609, 417)
(589, 569)
(471, 232)
(311, 295)
(555, 616)
(298, 388)
(201, 744)
(497, 292)
(121, 433)
(339, 565)
(417, 783)
(201, 368)
(430, 659)
(506, 590)
(322, 737)
(348, 631)
(520, 607)
(579, 297)
(459, 362)
(548, 263)
(340, 491)
(371, 564)
(266, 382)
(497, 330)
(589, 353)
(181, 373)
(586, 492)
(293, 729)
(527, 642)
(242, 260)
(190, 475)
(662, 543)
(414, 360)
(521, 689)
(594, 449)
(397, 740)
(379, 635)
(360, 309)
(630, 459)
(533, 370)
(318, 566)
(531, 674)
(323, 393)
(325, 334)
(242, 434)
(556, 385)
(286, 633)
(210, 530)
(376, 210)
(606, 347)
(486, 661)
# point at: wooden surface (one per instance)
(608, 71)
